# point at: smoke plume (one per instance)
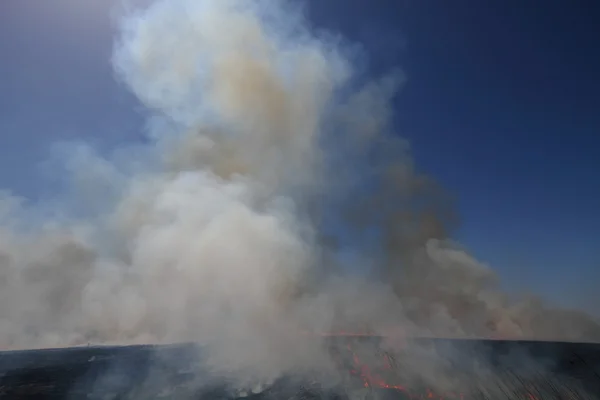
(270, 173)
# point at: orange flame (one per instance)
(373, 380)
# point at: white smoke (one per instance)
(200, 237)
(208, 234)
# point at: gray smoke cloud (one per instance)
(226, 230)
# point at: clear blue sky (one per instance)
(502, 106)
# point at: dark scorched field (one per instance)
(421, 369)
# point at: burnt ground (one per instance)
(421, 369)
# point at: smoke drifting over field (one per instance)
(267, 160)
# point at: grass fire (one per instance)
(271, 198)
(366, 367)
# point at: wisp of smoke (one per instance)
(267, 161)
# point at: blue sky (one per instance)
(502, 106)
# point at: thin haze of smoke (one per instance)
(220, 232)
